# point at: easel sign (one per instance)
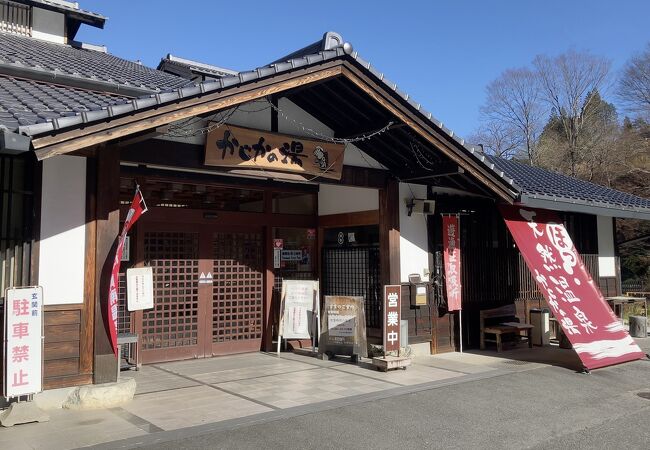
(299, 307)
(23, 341)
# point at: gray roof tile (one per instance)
(27, 102)
(24, 52)
(537, 183)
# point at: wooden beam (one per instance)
(389, 233)
(86, 337)
(140, 121)
(427, 132)
(107, 228)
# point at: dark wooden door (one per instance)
(235, 321)
(208, 291)
(173, 329)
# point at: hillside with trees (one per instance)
(560, 113)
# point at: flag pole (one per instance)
(460, 310)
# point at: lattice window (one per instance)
(15, 18)
(174, 320)
(355, 271)
(238, 287)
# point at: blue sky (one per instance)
(442, 53)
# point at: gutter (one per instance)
(104, 87)
(600, 209)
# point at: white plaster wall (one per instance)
(48, 25)
(606, 254)
(413, 241)
(354, 156)
(334, 199)
(63, 231)
(293, 111)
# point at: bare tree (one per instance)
(513, 107)
(567, 82)
(634, 84)
(497, 139)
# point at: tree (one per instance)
(634, 85)
(497, 139)
(567, 83)
(512, 114)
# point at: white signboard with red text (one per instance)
(576, 302)
(23, 341)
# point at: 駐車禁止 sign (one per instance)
(23, 350)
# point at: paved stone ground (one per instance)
(270, 398)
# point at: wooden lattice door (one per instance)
(173, 328)
(237, 292)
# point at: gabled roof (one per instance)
(80, 67)
(70, 9)
(546, 189)
(530, 186)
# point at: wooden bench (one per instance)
(502, 321)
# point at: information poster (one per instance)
(139, 288)
(23, 344)
(343, 326)
(299, 308)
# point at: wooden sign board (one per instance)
(238, 147)
(392, 310)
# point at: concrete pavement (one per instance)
(210, 402)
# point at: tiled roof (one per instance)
(530, 184)
(536, 185)
(19, 52)
(26, 102)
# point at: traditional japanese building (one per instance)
(354, 196)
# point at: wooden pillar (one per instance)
(269, 278)
(389, 233)
(107, 222)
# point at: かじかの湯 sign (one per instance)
(246, 148)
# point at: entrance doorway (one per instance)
(208, 291)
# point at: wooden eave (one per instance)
(67, 141)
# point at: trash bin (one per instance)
(638, 326)
(541, 333)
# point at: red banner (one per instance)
(451, 244)
(589, 323)
(138, 207)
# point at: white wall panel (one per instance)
(333, 199)
(413, 241)
(606, 253)
(63, 231)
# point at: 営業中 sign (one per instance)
(139, 288)
(392, 305)
(23, 349)
(246, 148)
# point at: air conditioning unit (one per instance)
(420, 206)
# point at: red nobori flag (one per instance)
(451, 244)
(578, 305)
(138, 207)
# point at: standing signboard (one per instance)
(576, 302)
(139, 288)
(343, 329)
(299, 308)
(392, 312)
(23, 341)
